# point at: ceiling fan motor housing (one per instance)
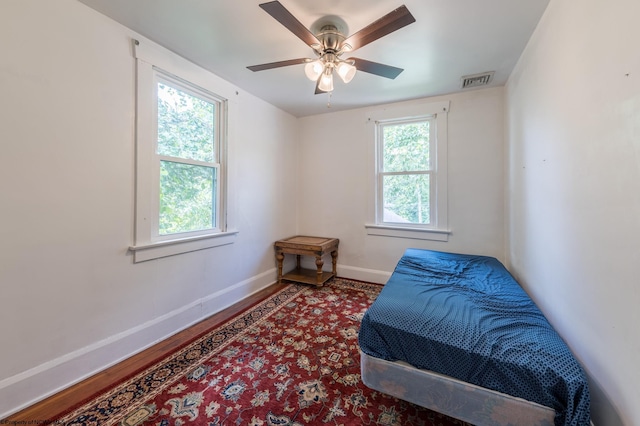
(331, 39)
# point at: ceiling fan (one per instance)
(329, 45)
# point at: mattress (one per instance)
(466, 317)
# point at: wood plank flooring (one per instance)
(57, 404)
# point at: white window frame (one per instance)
(219, 137)
(437, 230)
(155, 65)
(381, 173)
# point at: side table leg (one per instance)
(334, 261)
(280, 259)
(319, 263)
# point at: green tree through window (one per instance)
(406, 169)
(186, 147)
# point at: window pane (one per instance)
(406, 199)
(187, 198)
(185, 125)
(406, 147)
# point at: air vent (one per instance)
(476, 80)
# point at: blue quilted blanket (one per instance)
(466, 317)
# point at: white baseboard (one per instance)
(362, 274)
(31, 386)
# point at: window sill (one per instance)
(150, 251)
(408, 232)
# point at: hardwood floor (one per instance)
(57, 404)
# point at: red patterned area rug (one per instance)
(291, 360)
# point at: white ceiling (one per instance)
(449, 39)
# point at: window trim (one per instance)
(438, 229)
(150, 63)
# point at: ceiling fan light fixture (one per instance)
(326, 81)
(314, 69)
(346, 71)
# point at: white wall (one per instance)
(336, 179)
(72, 301)
(573, 132)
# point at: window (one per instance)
(410, 172)
(182, 129)
(187, 126)
(405, 171)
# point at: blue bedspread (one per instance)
(466, 317)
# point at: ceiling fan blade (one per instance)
(278, 64)
(375, 68)
(389, 23)
(282, 15)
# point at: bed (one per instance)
(457, 334)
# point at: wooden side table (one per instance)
(307, 246)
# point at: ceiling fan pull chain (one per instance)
(329, 100)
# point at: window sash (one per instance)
(160, 77)
(431, 172)
(383, 201)
(195, 92)
(416, 120)
(213, 206)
